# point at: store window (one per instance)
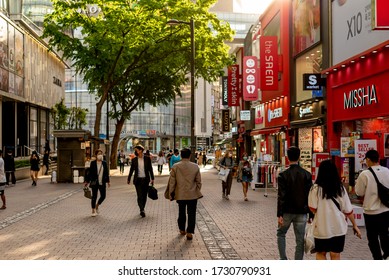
(33, 128)
(43, 130)
(309, 63)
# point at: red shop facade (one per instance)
(357, 111)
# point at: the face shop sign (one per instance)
(276, 113)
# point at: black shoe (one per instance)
(143, 214)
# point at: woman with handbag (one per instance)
(330, 203)
(227, 162)
(245, 174)
(98, 179)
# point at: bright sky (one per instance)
(251, 6)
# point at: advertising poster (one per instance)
(316, 160)
(361, 147)
(346, 147)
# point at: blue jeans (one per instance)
(299, 222)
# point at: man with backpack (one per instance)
(376, 214)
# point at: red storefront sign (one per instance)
(269, 63)
(250, 78)
(380, 19)
(276, 114)
(233, 85)
(366, 98)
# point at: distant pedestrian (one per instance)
(175, 158)
(292, 203)
(34, 167)
(46, 161)
(329, 201)
(245, 174)
(143, 175)
(376, 214)
(168, 157)
(122, 158)
(200, 159)
(98, 180)
(227, 162)
(184, 187)
(9, 163)
(161, 160)
(2, 181)
(204, 159)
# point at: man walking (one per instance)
(184, 187)
(292, 203)
(144, 175)
(375, 213)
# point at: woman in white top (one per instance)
(161, 160)
(330, 203)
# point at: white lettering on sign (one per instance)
(269, 77)
(234, 85)
(276, 113)
(305, 111)
(360, 97)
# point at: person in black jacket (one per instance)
(9, 166)
(98, 178)
(292, 203)
(144, 175)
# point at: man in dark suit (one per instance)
(143, 176)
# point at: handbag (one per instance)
(87, 192)
(309, 239)
(152, 193)
(223, 174)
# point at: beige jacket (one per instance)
(185, 181)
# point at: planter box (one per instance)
(22, 173)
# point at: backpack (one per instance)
(383, 192)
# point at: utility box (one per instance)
(73, 149)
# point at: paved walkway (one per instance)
(53, 221)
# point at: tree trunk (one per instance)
(115, 143)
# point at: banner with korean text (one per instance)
(233, 85)
(250, 78)
(269, 63)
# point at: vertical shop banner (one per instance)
(225, 91)
(226, 120)
(361, 147)
(269, 63)
(233, 85)
(316, 160)
(380, 19)
(250, 78)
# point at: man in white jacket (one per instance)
(376, 214)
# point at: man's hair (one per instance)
(293, 153)
(139, 147)
(175, 151)
(373, 155)
(185, 153)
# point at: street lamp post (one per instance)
(192, 82)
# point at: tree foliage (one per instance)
(68, 118)
(127, 41)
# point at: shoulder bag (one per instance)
(383, 192)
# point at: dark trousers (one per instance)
(121, 167)
(184, 207)
(377, 234)
(227, 185)
(95, 190)
(142, 187)
(160, 167)
(12, 174)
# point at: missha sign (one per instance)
(360, 97)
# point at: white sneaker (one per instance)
(227, 197)
(94, 214)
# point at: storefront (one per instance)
(358, 116)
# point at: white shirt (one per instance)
(141, 168)
(99, 165)
(329, 221)
(366, 186)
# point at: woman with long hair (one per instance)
(330, 203)
(161, 160)
(245, 174)
(34, 169)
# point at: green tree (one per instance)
(60, 114)
(127, 36)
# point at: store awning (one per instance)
(306, 123)
(224, 141)
(266, 131)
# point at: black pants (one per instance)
(377, 234)
(12, 174)
(95, 191)
(185, 206)
(160, 167)
(227, 185)
(142, 187)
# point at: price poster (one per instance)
(361, 147)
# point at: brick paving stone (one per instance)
(53, 222)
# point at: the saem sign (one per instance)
(269, 63)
